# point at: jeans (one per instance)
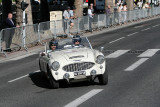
(90, 23)
(107, 20)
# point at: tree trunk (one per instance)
(130, 4)
(109, 2)
(19, 13)
(79, 7)
(29, 12)
(44, 9)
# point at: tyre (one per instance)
(43, 75)
(103, 79)
(53, 83)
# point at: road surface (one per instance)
(132, 56)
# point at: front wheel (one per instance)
(53, 83)
(103, 79)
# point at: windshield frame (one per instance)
(64, 42)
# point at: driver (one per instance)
(77, 41)
(53, 45)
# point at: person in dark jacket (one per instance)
(9, 32)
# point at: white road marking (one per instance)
(20, 57)
(145, 29)
(83, 98)
(155, 25)
(18, 78)
(149, 53)
(22, 77)
(117, 54)
(139, 26)
(132, 34)
(136, 64)
(117, 40)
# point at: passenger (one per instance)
(77, 41)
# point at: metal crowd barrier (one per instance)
(46, 30)
(31, 36)
(11, 38)
(61, 27)
(83, 24)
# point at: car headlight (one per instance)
(100, 59)
(55, 65)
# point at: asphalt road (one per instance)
(132, 56)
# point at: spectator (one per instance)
(119, 13)
(147, 5)
(90, 15)
(124, 12)
(54, 2)
(73, 13)
(108, 14)
(92, 9)
(72, 16)
(36, 2)
(67, 17)
(140, 4)
(8, 33)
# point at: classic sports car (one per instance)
(73, 63)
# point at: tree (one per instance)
(6, 8)
(45, 16)
(19, 14)
(79, 7)
(130, 4)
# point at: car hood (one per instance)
(76, 54)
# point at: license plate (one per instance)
(79, 73)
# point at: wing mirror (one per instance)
(102, 49)
(43, 54)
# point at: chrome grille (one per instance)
(78, 66)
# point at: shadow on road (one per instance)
(42, 82)
(38, 80)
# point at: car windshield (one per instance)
(68, 44)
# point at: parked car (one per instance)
(73, 63)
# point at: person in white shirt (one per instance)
(124, 11)
(119, 13)
(139, 4)
(90, 15)
(147, 5)
(68, 18)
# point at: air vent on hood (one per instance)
(81, 56)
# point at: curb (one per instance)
(105, 30)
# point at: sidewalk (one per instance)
(37, 49)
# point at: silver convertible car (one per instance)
(73, 63)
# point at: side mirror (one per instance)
(42, 54)
(102, 49)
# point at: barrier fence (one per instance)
(14, 38)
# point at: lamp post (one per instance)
(24, 5)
